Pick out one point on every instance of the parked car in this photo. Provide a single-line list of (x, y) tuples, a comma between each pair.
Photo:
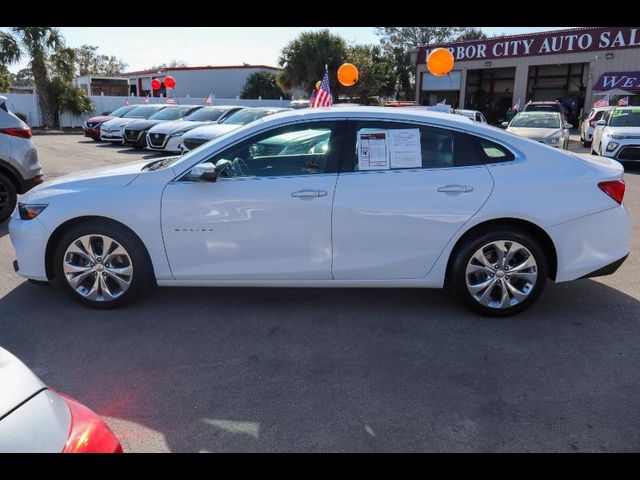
[(544, 106), (545, 127), (295, 104), (487, 214), (617, 134), (20, 169), (201, 135), (36, 419), (91, 128), (167, 137), (474, 115), (589, 124), (113, 130), (135, 133)]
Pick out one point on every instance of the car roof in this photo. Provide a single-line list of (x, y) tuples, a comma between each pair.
[(537, 113), (543, 102)]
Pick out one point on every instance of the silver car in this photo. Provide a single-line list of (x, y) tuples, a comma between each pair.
[(544, 127), (20, 170)]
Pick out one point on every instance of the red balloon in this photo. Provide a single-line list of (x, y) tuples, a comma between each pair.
[(155, 84), (169, 82)]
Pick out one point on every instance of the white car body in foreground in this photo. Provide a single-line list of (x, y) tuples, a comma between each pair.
[(177, 224), (617, 134), (35, 419)]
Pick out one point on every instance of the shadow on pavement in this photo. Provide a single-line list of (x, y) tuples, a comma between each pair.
[(341, 369)]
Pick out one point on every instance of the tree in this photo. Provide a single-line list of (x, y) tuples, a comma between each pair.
[(90, 62), (68, 97), (377, 75), (24, 78), (5, 78), (400, 41), (304, 59), (45, 49), (169, 64), (262, 84)]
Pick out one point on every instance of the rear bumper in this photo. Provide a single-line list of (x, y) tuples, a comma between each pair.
[(28, 184), (588, 245), (607, 269)]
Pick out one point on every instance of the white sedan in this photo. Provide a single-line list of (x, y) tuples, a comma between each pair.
[(333, 197)]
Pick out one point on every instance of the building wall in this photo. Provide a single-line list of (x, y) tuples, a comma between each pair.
[(623, 60)]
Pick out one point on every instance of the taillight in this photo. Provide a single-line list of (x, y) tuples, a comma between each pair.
[(88, 433), (592, 123), (614, 188), (22, 132)]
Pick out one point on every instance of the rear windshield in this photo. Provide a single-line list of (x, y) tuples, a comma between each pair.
[(625, 118), (207, 114), (141, 112), (536, 121), (171, 113)]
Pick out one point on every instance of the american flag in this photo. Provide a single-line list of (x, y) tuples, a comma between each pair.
[(126, 101), (322, 97), (623, 102), (146, 99), (208, 100), (603, 102), (516, 106), (170, 100), (443, 102)]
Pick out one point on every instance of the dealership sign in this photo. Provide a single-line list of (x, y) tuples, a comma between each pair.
[(624, 80), (546, 43)]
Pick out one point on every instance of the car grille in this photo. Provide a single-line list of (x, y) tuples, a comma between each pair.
[(629, 153), (132, 135), (156, 139), (192, 143)]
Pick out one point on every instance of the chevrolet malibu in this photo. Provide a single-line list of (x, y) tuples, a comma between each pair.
[(333, 197)]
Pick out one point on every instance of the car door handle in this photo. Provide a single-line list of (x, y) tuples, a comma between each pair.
[(456, 189), (309, 193)]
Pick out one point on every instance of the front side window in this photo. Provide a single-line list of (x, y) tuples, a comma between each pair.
[(302, 149)]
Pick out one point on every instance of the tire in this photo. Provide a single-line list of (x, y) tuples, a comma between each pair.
[(8, 197), (127, 273), (490, 301)]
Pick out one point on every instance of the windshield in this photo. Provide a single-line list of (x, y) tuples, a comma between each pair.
[(625, 118), (141, 112), (536, 121), (118, 112), (246, 116), (207, 114), (171, 113)]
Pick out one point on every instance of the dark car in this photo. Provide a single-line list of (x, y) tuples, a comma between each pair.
[(135, 134), (91, 127)]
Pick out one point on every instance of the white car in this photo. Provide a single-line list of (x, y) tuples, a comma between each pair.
[(588, 125), (333, 197), (167, 137), (113, 130), (617, 134), (545, 127), (36, 419), (474, 115), (201, 135)]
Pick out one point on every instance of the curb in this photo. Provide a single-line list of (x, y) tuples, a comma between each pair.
[(55, 132)]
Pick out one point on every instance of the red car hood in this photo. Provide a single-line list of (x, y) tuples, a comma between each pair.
[(100, 118)]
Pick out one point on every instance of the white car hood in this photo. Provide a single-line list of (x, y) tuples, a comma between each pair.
[(175, 126), (534, 133), (116, 123), (635, 131), (210, 132), (17, 382)]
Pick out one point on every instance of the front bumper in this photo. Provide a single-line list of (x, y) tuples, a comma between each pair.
[(92, 132), (172, 144), (111, 136), (29, 239), (136, 138), (627, 150)]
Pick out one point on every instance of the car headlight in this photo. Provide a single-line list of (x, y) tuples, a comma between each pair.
[(555, 138), (29, 212), (611, 146), (178, 134), (617, 137)]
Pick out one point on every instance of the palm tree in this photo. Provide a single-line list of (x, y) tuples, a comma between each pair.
[(41, 45)]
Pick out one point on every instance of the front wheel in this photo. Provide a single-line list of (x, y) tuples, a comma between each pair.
[(102, 265), (499, 271)]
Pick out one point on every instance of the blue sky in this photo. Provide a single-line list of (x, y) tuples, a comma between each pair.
[(141, 47)]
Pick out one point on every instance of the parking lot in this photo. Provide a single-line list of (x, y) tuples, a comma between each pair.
[(233, 369)]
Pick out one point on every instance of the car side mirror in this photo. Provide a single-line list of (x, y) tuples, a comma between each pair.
[(204, 172), (601, 122), (504, 124)]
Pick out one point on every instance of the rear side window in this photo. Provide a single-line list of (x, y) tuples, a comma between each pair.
[(494, 153), (598, 114), (438, 147)]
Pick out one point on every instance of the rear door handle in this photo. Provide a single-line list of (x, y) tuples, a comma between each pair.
[(309, 193), (456, 189)]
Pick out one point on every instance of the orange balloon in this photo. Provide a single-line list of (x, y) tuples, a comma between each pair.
[(318, 84), (440, 62), (348, 75)]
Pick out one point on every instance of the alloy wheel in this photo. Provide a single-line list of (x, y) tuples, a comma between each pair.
[(98, 268), (501, 274)]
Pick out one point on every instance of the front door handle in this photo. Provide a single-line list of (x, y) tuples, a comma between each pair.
[(456, 189), (309, 193)]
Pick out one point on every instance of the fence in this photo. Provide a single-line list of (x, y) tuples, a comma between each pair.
[(27, 104)]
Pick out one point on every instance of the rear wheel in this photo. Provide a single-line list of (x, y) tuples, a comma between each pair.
[(8, 197), (102, 265), (499, 271)]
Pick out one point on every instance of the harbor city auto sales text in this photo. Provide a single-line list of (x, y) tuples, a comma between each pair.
[(587, 41)]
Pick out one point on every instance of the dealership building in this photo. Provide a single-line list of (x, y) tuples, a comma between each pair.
[(220, 81), (576, 66)]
